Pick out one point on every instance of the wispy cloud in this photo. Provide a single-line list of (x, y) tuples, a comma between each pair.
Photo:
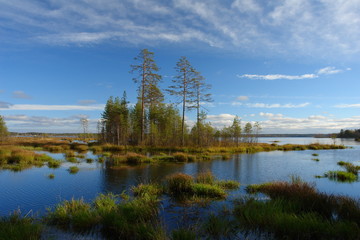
[(24, 123), (273, 105), (356, 105), (221, 120), (5, 105), (279, 123), (242, 98), (312, 124), (87, 102), (323, 71), (21, 95), (277, 27), (38, 107), (329, 70), (278, 76)]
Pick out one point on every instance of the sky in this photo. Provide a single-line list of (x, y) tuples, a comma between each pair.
[(292, 65)]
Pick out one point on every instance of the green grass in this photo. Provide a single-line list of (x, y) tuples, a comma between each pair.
[(148, 189), (73, 169), (17, 158), (72, 159), (129, 158), (204, 185), (16, 227), (341, 176), (54, 163), (351, 168), (208, 191), (121, 218), (206, 178), (297, 211), (179, 184), (285, 221), (219, 227), (183, 234), (228, 184)]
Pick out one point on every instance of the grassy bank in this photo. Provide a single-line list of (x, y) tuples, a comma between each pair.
[(16, 158)]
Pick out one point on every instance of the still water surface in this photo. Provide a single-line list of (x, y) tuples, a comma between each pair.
[(32, 190)]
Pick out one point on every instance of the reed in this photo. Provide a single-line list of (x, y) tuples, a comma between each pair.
[(297, 211), (15, 227)]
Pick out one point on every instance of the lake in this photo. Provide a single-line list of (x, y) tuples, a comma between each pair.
[(32, 191)]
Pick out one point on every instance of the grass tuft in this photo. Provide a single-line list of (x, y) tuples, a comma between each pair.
[(73, 169)]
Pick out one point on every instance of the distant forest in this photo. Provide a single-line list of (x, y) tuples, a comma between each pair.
[(349, 134)]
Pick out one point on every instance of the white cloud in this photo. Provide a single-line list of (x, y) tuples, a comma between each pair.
[(24, 123), (356, 105), (317, 117), (25, 107), (279, 123), (306, 27), (278, 76), (329, 70), (221, 119), (273, 105), (21, 95), (323, 71), (242, 98), (270, 115), (87, 102)]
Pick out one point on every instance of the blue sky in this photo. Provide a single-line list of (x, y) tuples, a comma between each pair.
[(292, 65)]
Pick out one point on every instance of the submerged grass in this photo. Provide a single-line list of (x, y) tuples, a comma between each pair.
[(341, 176)]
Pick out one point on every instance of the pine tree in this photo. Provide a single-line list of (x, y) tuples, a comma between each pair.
[(201, 96), (3, 129), (184, 83), (148, 80), (236, 130)]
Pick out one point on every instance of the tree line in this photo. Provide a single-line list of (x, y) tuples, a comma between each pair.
[(153, 122), (355, 133)]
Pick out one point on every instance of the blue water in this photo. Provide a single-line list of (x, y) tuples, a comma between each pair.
[(32, 190)]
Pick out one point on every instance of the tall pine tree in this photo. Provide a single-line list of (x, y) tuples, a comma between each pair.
[(148, 79)]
